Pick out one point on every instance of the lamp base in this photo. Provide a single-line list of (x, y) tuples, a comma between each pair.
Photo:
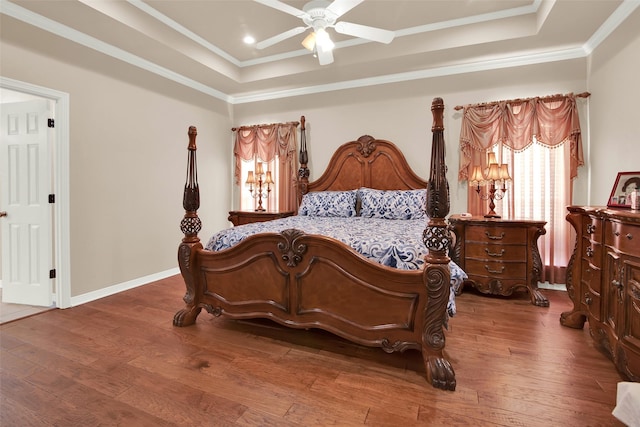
[(260, 210), (490, 215)]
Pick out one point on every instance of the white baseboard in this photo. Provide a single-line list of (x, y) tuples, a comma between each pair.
[(111, 290), (552, 286)]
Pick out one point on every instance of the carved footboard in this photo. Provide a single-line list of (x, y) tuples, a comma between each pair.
[(311, 281)]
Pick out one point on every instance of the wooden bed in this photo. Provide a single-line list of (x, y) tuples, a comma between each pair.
[(310, 281)]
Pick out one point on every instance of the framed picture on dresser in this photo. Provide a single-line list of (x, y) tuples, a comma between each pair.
[(626, 183)]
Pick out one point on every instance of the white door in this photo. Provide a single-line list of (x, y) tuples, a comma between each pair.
[(25, 175)]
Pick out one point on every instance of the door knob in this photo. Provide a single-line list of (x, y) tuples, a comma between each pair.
[(3, 213)]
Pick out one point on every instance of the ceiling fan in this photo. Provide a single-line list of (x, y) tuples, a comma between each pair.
[(320, 15)]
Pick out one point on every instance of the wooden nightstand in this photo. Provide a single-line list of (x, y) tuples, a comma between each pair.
[(499, 255), (246, 217)]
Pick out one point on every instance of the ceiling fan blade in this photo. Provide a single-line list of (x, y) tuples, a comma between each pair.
[(325, 56), (365, 32), (283, 7), (340, 7), (280, 37)]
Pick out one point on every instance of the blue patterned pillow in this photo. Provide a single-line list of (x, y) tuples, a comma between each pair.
[(393, 204), (340, 204)]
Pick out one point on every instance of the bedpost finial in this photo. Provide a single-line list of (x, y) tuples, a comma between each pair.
[(437, 108), (192, 137), (302, 121)]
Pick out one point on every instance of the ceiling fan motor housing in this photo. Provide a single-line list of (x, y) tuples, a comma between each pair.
[(317, 16)]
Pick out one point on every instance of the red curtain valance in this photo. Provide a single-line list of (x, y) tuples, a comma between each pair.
[(551, 120)]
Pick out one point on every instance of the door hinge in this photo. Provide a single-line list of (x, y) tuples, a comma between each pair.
[(52, 198), (52, 274), (51, 123)]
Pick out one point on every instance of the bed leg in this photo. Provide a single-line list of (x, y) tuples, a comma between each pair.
[(186, 256), (439, 370)]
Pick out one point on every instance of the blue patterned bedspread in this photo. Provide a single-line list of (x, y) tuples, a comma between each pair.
[(394, 243)]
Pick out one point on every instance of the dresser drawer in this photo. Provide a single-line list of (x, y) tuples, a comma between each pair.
[(591, 227), (496, 234), (506, 270), (493, 252), (592, 251), (592, 300), (590, 276), (624, 237)]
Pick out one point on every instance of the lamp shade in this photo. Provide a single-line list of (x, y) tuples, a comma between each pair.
[(494, 172), (476, 176), (259, 170), (491, 158), (250, 178), (504, 172), (268, 179)]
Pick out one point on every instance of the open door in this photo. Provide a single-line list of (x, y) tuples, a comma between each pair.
[(25, 179)]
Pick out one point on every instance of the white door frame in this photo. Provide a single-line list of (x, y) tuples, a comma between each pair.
[(61, 226)]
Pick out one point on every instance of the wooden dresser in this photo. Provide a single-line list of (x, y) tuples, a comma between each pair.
[(603, 281), (498, 255), (246, 217)]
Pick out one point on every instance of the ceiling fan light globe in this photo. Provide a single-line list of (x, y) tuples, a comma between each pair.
[(323, 40), (309, 42)]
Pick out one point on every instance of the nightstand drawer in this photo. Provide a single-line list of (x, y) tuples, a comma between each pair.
[(496, 234), (506, 270), (487, 252)]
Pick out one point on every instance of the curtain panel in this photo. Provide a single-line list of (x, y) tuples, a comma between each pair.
[(267, 142)]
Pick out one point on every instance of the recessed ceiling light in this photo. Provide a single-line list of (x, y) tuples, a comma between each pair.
[(249, 40)]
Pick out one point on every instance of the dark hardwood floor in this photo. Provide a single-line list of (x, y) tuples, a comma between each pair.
[(119, 361)]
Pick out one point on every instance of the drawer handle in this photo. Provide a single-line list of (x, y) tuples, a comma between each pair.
[(500, 237), (589, 251), (591, 228), (494, 271), (494, 254), (629, 236)]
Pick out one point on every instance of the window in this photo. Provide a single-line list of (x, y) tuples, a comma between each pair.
[(274, 149), (540, 140), (540, 189)]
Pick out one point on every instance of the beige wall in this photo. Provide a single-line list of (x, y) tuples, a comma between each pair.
[(614, 115), (128, 139)]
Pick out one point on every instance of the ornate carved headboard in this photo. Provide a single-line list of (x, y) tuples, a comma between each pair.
[(367, 162)]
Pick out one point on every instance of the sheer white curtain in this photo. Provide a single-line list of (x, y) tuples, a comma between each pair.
[(541, 190)]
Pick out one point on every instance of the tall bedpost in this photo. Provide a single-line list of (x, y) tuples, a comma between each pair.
[(303, 171), (190, 226), (437, 277)]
